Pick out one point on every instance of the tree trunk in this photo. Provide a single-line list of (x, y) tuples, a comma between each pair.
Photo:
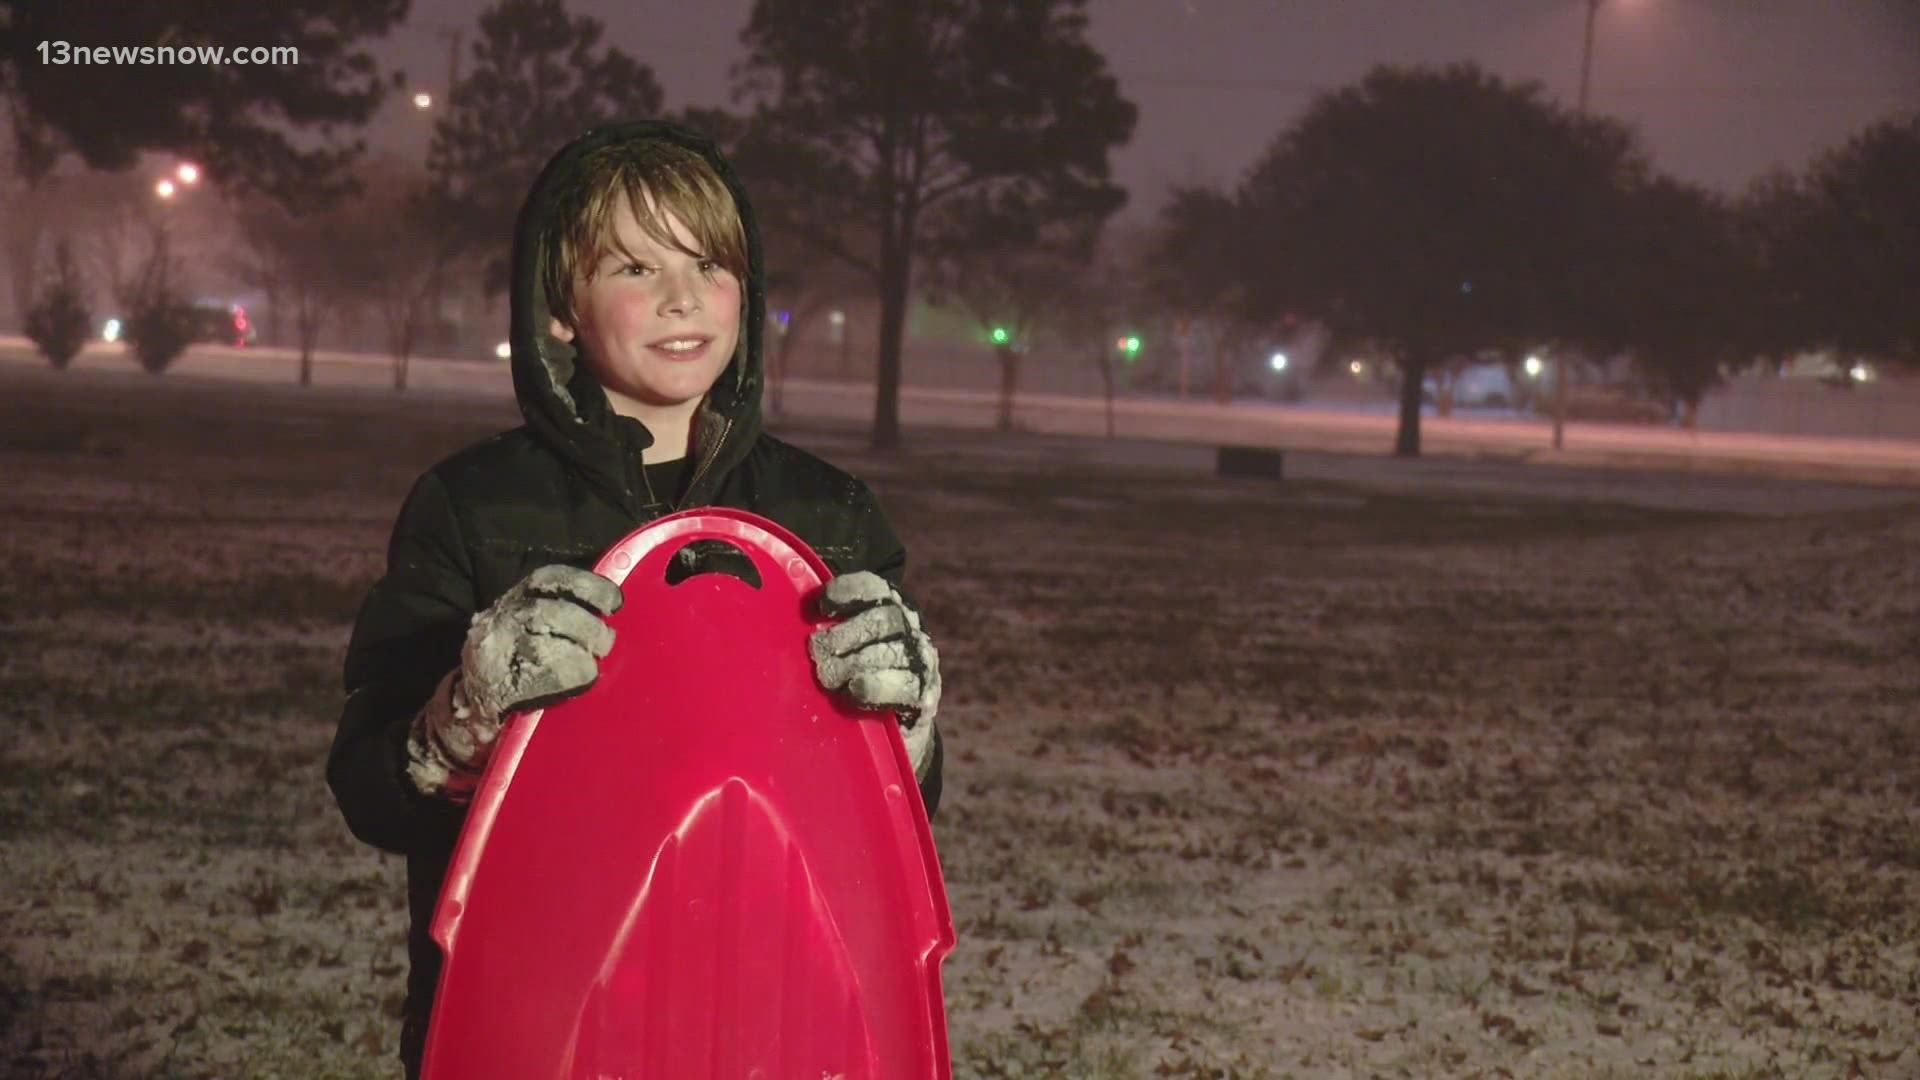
[(782, 357), (308, 327), (397, 346), (1103, 357), (1690, 414), (896, 271), (1009, 381), (1223, 351), (1413, 374), (898, 220), (1183, 342), (1445, 381), (893, 319)]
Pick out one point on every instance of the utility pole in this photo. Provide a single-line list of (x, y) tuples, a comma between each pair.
[(1560, 362), (437, 284), (452, 35)]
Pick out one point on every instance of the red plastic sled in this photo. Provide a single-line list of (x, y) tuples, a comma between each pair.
[(705, 866)]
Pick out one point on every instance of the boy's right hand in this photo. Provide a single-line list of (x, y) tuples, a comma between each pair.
[(539, 643)]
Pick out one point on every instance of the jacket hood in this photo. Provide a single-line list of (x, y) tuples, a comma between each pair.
[(564, 404)]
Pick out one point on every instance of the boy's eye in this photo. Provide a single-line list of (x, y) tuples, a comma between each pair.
[(636, 269)]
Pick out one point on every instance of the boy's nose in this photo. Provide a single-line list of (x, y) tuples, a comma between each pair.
[(681, 298)]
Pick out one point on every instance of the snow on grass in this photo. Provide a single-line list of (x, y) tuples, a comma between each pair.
[(1326, 778)]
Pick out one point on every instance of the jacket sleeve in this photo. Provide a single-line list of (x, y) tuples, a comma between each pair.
[(886, 555), (407, 637)]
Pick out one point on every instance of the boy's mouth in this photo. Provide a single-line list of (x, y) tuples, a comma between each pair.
[(682, 348)]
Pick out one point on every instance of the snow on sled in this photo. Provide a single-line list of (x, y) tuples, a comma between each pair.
[(704, 866)]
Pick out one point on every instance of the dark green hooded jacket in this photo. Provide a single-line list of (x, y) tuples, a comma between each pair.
[(562, 488)]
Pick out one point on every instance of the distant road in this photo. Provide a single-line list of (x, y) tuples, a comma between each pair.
[(1301, 427)]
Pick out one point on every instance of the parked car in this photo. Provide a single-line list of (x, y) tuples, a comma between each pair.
[(229, 325), (1615, 404)]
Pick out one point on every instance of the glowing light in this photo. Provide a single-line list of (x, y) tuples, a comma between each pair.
[(189, 174), (1860, 373), (1357, 368), (164, 189), (1000, 335), (1534, 367), (111, 331), (423, 100), (837, 317), (504, 350), (1278, 361)]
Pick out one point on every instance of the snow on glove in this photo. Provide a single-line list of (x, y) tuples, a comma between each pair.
[(540, 642), (880, 656)]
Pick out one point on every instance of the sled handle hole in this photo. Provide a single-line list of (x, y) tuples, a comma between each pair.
[(711, 557)]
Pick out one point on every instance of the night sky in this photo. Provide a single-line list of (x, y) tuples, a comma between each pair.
[(1720, 90)]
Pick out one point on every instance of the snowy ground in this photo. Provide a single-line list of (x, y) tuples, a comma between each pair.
[(1390, 770)]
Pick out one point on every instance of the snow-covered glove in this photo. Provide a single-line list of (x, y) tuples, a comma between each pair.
[(540, 642), (880, 657)]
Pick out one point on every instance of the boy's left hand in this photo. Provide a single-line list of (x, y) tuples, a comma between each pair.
[(880, 656)]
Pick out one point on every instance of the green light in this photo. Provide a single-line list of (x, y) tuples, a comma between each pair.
[(1133, 343), (1000, 335)]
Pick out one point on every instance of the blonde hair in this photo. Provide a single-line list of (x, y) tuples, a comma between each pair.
[(655, 177)]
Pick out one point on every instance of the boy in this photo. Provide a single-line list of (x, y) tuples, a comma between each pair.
[(637, 303)]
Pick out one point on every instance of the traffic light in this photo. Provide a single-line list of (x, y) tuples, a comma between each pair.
[(1000, 335), (1129, 347)]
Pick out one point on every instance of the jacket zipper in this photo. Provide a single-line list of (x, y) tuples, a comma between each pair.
[(700, 470)]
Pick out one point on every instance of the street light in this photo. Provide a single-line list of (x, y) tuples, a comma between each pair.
[(1278, 361), (1534, 367), (188, 173), (837, 319), (423, 100), (164, 189)]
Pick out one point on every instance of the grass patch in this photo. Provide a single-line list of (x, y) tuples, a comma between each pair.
[(1786, 901)]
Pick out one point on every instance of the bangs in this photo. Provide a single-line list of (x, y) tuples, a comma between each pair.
[(656, 178), (706, 210)]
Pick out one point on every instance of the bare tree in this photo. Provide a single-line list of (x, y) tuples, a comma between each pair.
[(803, 283), (1013, 291), (402, 235), (313, 262)]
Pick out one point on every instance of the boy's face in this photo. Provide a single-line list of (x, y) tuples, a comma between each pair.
[(657, 326)]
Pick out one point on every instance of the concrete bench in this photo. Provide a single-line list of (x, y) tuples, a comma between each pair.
[(1257, 462)]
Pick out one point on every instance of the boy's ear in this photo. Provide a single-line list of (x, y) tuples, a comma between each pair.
[(559, 329)]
